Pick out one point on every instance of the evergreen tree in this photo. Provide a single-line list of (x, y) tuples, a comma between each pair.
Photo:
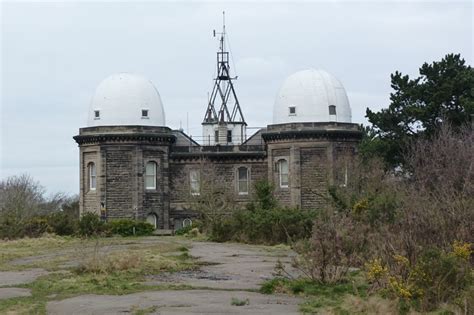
[(443, 93)]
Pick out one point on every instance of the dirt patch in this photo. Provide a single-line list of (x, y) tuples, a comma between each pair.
[(8, 293), (8, 278), (177, 302)]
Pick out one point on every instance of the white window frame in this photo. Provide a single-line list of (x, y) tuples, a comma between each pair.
[(96, 114), (147, 116), (92, 173), (289, 110), (239, 180), (195, 182), (151, 175), (280, 173), (187, 222)]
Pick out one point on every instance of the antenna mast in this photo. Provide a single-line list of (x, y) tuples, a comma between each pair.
[(223, 94)]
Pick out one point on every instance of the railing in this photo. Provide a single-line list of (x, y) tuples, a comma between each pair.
[(217, 148)]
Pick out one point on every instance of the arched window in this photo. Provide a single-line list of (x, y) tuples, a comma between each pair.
[(92, 176), (152, 219), (187, 222), (283, 173), (194, 182), (150, 175), (243, 180)]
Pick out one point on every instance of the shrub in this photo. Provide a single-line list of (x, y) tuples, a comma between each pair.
[(267, 226), (263, 221), (90, 225), (337, 243), (36, 226), (62, 223), (128, 227), (437, 277), (10, 226), (183, 230)]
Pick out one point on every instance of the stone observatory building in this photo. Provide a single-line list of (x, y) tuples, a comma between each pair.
[(133, 166)]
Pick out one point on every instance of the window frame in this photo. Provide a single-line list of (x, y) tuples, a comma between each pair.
[(147, 112), (195, 191), (246, 181), (290, 108), (229, 136), (92, 176), (153, 175), (280, 173), (96, 114)]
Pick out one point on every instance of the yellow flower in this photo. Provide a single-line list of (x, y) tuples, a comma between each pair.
[(462, 249), (401, 260), (360, 206), (375, 269), (399, 288)]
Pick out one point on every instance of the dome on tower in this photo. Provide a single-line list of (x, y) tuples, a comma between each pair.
[(311, 96), (126, 99)]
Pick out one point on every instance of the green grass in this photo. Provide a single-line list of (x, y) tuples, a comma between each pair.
[(318, 296)]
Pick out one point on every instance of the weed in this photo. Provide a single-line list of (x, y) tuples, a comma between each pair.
[(238, 302), (144, 311)]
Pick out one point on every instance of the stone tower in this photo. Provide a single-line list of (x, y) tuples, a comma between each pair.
[(124, 152)]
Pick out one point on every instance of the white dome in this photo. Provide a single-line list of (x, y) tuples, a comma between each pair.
[(311, 96), (126, 99)]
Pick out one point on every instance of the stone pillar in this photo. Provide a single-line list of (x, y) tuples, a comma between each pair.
[(295, 176)]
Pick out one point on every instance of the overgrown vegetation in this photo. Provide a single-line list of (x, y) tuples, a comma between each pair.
[(263, 221), (412, 232), (92, 265), (25, 212)]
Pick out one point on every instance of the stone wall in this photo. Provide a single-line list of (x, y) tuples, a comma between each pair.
[(214, 175), (121, 153), (120, 181), (314, 166)]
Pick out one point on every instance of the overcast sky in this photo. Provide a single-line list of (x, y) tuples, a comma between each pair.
[(53, 55)]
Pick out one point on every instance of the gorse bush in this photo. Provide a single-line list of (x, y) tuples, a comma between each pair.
[(437, 277), (411, 228)]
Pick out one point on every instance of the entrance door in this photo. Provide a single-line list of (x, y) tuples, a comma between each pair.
[(152, 219)]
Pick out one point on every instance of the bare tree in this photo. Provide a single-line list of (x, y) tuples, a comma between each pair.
[(207, 192)]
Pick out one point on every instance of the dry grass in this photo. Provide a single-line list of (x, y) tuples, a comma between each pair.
[(110, 263), (25, 247), (100, 266), (372, 305)]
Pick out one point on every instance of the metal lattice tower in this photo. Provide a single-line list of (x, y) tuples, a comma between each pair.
[(223, 94)]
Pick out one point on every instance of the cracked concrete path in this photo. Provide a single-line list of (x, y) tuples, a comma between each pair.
[(177, 302), (8, 278), (230, 266), (229, 269), (8, 293)]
